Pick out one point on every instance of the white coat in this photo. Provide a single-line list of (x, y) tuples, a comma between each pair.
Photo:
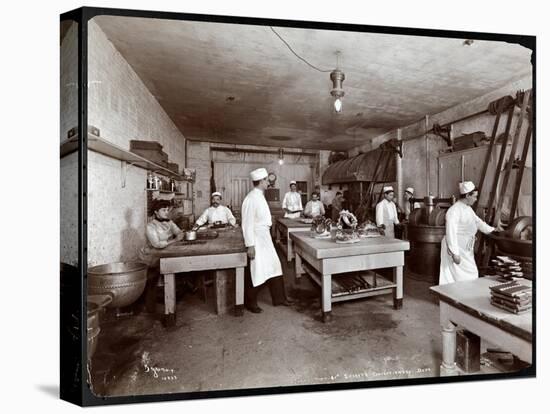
[(314, 209), (256, 222), (293, 202), (461, 227), (386, 214), (213, 214)]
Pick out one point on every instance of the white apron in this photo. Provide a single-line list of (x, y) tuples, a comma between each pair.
[(449, 271), (386, 214), (266, 263), (461, 227), (292, 201), (256, 223)]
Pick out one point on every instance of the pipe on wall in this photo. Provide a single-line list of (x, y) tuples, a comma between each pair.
[(399, 173), (256, 151), (426, 138)]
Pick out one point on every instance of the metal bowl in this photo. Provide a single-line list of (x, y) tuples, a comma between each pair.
[(514, 247), (124, 280)]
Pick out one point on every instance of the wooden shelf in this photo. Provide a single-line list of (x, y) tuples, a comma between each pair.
[(108, 149), (166, 191)]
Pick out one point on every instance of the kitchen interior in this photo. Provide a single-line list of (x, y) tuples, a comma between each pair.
[(180, 110)]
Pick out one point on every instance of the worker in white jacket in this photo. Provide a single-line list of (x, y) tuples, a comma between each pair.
[(264, 262), (292, 202), (216, 214), (407, 208), (457, 247), (386, 212)]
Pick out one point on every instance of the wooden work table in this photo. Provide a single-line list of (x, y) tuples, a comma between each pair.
[(468, 304), (227, 251), (283, 228), (324, 258)]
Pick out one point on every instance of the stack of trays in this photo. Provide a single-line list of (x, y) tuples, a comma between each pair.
[(511, 296), (507, 268)]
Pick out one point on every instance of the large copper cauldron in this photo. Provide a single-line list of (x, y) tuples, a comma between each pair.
[(125, 281)]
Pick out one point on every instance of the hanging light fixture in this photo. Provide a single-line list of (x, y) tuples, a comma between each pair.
[(337, 77), (281, 157)]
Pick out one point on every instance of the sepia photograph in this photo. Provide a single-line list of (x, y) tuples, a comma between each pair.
[(253, 205)]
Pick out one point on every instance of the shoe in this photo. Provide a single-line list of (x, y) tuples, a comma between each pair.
[(286, 302), (256, 309)]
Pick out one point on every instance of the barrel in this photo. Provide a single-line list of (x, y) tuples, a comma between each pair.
[(424, 258)]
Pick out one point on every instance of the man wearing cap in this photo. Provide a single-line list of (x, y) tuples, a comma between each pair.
[(409, 193), (292, 202), (386, 212), (457, 247), (264, 262), (216, 213)]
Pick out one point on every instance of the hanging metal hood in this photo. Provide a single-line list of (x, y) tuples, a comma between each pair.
[(362, 168)]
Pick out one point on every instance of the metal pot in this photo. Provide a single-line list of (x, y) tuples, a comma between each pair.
[(124, 280), (190, 235), (93, 328)]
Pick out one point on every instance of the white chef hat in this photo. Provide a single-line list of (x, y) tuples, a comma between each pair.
[(410, 190), (466, 187), (216, 193), (292, 182), (387, 188), (258, 174)]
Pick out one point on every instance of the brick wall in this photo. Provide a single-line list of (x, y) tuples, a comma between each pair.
[(198, 157), (122, 108), (69, 164)]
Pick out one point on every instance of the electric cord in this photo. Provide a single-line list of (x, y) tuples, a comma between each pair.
[(297, 55)]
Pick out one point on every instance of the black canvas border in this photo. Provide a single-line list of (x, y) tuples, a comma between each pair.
[(82, 16)]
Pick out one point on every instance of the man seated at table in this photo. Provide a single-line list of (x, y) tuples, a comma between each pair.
[(314, 207), (160, 233), (216, 214)]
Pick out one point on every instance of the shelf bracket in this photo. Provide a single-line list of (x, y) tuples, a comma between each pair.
[(124, 165)]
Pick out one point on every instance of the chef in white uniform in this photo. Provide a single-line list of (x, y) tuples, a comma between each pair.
[(386, 212), (457, 247), (264, 262), (409, 193), (314, 207), (216, 213), (292, 202)]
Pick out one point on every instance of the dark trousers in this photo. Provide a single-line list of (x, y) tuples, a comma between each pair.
[(276, 288), (153, 276)]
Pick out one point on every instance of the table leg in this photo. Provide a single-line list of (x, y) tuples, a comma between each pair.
[(169, 299), (326, 288), (448, 333), (277, 233), (398, 290), (289, 248), (298, 269), (239, 291)]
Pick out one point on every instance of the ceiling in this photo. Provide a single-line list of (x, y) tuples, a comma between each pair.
[(240, 84)]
